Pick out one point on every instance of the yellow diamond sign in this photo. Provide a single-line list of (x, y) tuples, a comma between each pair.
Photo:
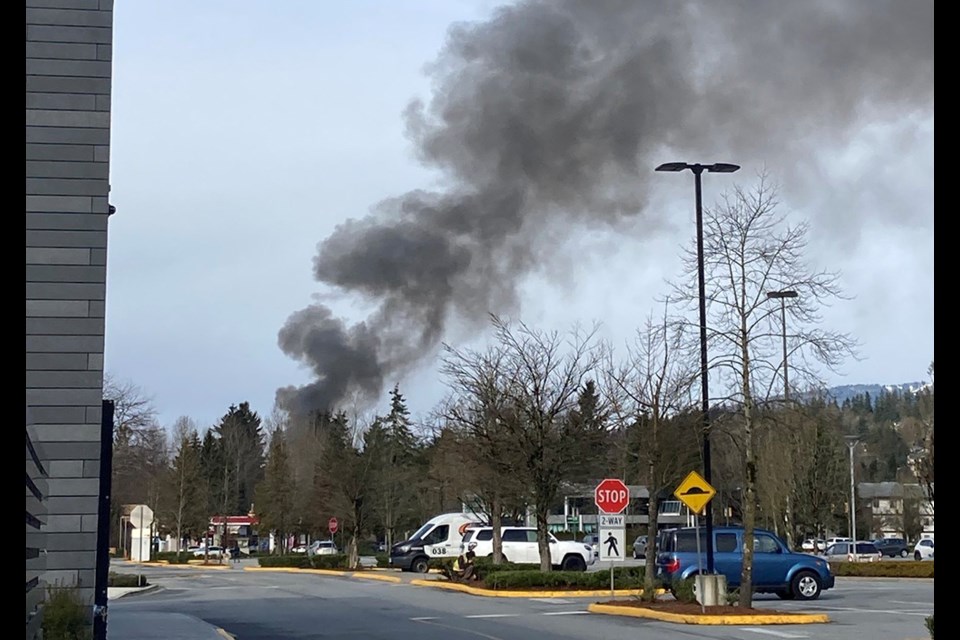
[(695, 492)]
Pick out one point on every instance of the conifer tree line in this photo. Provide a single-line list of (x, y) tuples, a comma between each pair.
[(537, 411)]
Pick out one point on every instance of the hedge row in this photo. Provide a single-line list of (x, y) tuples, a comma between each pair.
[(173, 557), (126, 580), (624, 578), (889, 569), (303, 561)]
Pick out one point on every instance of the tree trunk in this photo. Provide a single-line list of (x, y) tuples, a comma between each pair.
[(543, 539), (650, 573), (496, 522)]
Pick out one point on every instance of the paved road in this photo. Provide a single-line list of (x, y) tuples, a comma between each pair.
[(283, 606)]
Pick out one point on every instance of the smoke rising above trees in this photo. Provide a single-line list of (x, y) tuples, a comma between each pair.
[(549, 117)]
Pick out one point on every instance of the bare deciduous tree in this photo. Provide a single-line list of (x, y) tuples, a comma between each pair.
[(647, 391), (750, 250)]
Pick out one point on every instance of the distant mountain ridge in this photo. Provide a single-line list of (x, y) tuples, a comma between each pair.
[(845, 392)]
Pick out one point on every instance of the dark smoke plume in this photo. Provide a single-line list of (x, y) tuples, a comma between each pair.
[(550, 116)]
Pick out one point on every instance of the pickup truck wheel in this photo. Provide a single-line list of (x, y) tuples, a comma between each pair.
[(574, 563), (420, 565), (805, 586), (903, 553)]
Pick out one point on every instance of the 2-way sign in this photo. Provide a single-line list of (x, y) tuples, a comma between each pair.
[(611, 496)]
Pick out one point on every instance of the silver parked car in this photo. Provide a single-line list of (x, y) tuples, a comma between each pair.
[(844, 552), (640, 547)]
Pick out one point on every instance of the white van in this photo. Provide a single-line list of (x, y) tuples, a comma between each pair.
[(439, 537)]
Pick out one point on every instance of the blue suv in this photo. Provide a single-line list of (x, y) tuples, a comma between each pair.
[(776, 569)]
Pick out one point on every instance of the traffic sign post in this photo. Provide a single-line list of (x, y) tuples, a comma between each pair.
[(696, 493), (333, 525), (611, 497)]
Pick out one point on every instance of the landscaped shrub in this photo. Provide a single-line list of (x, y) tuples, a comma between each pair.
[(338, 561), (383, 560), (888, 569), (929, 622), (683, 590), (65, 615), (298, 561), (519, 579), (126, 580), (173, 557)]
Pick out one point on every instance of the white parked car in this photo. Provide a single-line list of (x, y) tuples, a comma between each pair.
[(210, 552), (923, 550), (813, 546), (520, 546)]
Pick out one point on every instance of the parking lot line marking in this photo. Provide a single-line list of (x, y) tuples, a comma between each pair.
[(551, 600), (424, 618), (493, 615), (897, 612), (921, 604), (563, 613), (771, 632)]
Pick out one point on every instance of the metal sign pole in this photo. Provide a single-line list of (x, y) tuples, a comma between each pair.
[(696, 524)]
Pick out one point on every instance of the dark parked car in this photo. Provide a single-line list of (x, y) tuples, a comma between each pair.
[(892, 547), (776, 569)]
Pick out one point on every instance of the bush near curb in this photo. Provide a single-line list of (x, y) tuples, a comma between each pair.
[(518, 579), (888, 569), (173, 557), (383, 560), (929, 623), (303, 561), (65, 615), (126, 580), (683, 590)]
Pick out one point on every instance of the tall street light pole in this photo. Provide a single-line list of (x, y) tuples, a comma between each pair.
[(782, 297), (852, 442), (697, 170)]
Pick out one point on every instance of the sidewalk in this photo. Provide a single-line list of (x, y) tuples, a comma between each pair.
[(141, 625)]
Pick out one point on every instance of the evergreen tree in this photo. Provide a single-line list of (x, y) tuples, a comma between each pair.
[(241, 440), (277, 491)]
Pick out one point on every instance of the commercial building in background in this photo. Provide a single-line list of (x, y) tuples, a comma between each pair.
[(68, 67)]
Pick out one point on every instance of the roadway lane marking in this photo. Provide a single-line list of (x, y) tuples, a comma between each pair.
[(921, 604), (771, 632), (493, 615), (424, 618), (551, 600), (563, 613)]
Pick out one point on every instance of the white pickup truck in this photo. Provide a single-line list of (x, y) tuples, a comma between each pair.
[(520, 546)]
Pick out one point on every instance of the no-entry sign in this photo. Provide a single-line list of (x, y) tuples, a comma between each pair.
[(332, 524), (611, 496)]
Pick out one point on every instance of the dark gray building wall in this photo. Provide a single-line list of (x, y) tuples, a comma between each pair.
[(68, 149)]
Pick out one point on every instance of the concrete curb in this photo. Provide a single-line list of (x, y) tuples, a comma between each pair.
[(134, 591), (490, 593), (167, 565), (328, 572), (640, 612)]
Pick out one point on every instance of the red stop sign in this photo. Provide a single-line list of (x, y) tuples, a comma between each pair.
[(332, 523), (611, 496)]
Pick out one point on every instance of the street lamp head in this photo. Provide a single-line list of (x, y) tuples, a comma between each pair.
[(722, 167), (852, 441), (782, 294), (673, 166)]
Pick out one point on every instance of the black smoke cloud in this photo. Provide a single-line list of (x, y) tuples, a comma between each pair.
[(551, 115)]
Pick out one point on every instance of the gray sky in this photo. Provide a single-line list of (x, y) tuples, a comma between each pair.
[(246, 135)]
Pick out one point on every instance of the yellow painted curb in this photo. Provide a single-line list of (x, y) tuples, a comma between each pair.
[(377, 576), (491, 593), (322, 572), (639, 612)]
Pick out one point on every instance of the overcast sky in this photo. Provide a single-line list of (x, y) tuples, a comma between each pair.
[(247, 133)]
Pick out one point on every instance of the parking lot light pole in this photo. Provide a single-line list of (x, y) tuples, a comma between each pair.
[(697, 170), (852, 442), (782, 297)]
